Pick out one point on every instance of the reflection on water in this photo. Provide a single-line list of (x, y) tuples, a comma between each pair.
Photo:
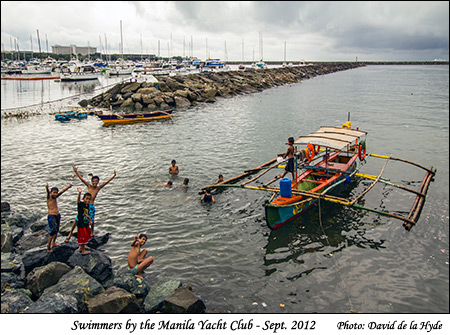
[(30, 93), (225, 251)]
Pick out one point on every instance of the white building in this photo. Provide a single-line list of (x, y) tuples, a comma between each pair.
[(73, 50)]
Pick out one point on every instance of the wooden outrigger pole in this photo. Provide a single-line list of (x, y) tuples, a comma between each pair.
[(430, 170), (408, 222), (328, 198), (245, 174), (420, 200)]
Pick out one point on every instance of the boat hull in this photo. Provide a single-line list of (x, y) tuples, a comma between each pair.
[(110, 119), (282, 210), (278, 216), (78, 78)]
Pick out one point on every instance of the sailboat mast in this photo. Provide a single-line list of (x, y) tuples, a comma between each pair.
[(39, 43), (121, 39), (31, 42)]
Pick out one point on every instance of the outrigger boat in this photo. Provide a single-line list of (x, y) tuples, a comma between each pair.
[(109, 119), (332, 157)]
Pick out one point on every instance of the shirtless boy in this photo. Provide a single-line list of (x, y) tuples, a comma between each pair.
[(220, 180), (173, 169), (137, 262), (93, 190), (290, 163), (54, 217)]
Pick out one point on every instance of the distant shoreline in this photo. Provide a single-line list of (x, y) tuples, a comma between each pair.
[(358, 62)]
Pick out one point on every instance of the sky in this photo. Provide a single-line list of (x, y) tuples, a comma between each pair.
[(236, 30)]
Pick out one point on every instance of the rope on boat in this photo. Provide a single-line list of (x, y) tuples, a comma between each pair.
[(338, 270)]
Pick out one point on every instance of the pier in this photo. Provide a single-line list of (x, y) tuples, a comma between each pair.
[(182, 91)]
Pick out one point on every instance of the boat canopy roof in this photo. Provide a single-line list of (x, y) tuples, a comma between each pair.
[(332, 137)]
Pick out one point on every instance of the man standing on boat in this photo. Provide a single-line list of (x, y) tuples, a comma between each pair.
[(290, 162)]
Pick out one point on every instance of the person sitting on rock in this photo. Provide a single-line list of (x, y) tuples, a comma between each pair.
[(137, 262)]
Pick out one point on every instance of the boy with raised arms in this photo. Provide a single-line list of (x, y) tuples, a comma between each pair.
[(93, 189), (54, 217)]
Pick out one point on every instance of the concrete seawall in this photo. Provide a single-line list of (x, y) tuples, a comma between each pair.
[(182, 91)]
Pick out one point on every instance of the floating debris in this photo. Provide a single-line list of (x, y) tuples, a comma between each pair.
[(19, 114)]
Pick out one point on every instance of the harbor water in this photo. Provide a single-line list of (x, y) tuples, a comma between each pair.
[(330, 260)]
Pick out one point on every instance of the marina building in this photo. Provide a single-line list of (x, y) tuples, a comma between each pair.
[(73, 50)]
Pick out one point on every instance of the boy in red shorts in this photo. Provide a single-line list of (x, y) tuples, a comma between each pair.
[(83, 222)]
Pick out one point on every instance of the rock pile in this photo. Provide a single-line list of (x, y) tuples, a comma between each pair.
[(64, 281), (182, 91)]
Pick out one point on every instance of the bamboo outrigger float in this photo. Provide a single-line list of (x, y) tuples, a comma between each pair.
[(332, 157)]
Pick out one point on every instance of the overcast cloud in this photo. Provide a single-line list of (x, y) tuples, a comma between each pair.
[(312, 30)]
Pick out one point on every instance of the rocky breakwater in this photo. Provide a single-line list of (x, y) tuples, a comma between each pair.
[(64, 281), (182, 91)]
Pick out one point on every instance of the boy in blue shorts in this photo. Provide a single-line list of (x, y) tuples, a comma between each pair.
[(54, 217), (137, 262)]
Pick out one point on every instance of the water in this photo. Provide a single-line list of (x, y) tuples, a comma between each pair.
[(225, 251)]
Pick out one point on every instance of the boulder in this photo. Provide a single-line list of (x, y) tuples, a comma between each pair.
[(127, 103), (15, 300), (183, 301), (158, 100), (138, 106), (158, 293), (126, 280), (174, 85), (181, 102), (147, 99), (13, 263), (98, 241), (45, 276), (20, 217), (163, 87), (148, 91), (114, 300), (137, 97), (39, 256), (168, 99), (95, 264), (130, 87), (5, 207), (127, 95), (76, 283), (11, 280), (31, 241), (83, 103), (42, 224), (16, 232), (55, 303), (181, 93), (7, 241)]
